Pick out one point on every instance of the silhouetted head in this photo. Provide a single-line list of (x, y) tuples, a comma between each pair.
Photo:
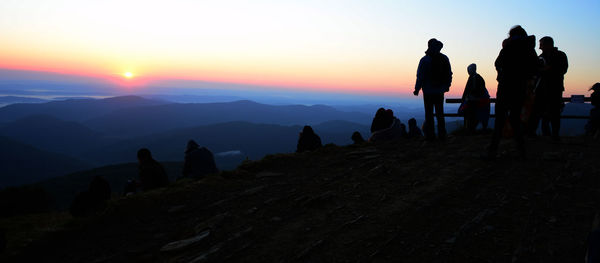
[(357, 137), (472, 69), (389, 113), (546, 44), (307, 130), (517, 31), (191, 145), (596, 87), (144, 155), (380, 112), (434, 46), (412, 122)]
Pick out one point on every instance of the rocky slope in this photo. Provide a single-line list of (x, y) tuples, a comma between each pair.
[(406, 201)]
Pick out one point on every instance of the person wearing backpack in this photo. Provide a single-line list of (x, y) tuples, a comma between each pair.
[(434, 76)]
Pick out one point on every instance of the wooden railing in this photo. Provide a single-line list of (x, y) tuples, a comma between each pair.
[(574, 98)]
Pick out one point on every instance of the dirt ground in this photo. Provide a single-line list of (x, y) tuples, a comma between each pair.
[(401, 201)]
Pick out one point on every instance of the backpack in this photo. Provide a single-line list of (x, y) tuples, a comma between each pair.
[(440, 70)]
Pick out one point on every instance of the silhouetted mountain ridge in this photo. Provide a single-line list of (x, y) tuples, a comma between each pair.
[(52, 134), (18, 160), (6, 100), (73, 109), (154, 119)]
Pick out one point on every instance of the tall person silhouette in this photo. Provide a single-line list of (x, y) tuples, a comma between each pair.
[(548, 94), (434, 76), (516, 65)]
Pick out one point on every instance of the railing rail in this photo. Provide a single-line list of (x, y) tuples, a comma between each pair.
[(575, 98)]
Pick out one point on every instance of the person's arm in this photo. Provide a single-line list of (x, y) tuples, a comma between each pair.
[(420, 77), (449, 73), (499, 64)]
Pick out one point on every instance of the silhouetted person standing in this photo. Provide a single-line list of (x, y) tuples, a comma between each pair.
[(476, 100), (548, 94), (308, 140), (434, 76), (593, 125), (516, 65), (152, 174), (595, 97), (198, 161)]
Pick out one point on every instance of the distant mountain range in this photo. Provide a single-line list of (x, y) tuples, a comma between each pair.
[(138, 121), (7, 100), (97, 132), (21, 163), (52, 134), (252, 140), (108, 131), (73, 109)]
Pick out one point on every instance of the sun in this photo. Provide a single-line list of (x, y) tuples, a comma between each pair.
[(128, 75)]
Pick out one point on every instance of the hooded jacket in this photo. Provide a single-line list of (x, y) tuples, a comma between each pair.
[(425, 78)]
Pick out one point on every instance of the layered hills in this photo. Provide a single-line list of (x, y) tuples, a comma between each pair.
[(22, 164), (109, 131)]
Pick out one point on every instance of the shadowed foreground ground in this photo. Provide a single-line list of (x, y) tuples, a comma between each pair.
[(395, 202)]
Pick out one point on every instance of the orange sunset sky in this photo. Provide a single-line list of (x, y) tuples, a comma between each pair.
[(359, 47)]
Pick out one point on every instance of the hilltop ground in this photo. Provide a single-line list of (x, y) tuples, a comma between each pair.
[(406, 201)]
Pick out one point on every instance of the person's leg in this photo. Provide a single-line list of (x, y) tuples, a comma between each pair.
[(546, 125), (485, 117), (501, 112), (536, 116), (471, 117), (439, 113), (517, 125), (554, 115), (429, 123)]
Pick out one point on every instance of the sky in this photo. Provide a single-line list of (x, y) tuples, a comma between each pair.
[(354, 47)]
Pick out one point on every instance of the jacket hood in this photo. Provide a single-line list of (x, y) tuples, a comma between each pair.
[(191, 145), (434, 46), (527, 41)]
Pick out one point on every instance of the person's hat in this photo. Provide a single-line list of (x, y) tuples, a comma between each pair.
[(596, 87)]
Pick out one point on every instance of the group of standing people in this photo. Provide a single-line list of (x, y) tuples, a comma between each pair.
[(522, 75)]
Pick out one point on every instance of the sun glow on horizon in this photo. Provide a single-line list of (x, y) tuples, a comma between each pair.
[(354, 47)]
